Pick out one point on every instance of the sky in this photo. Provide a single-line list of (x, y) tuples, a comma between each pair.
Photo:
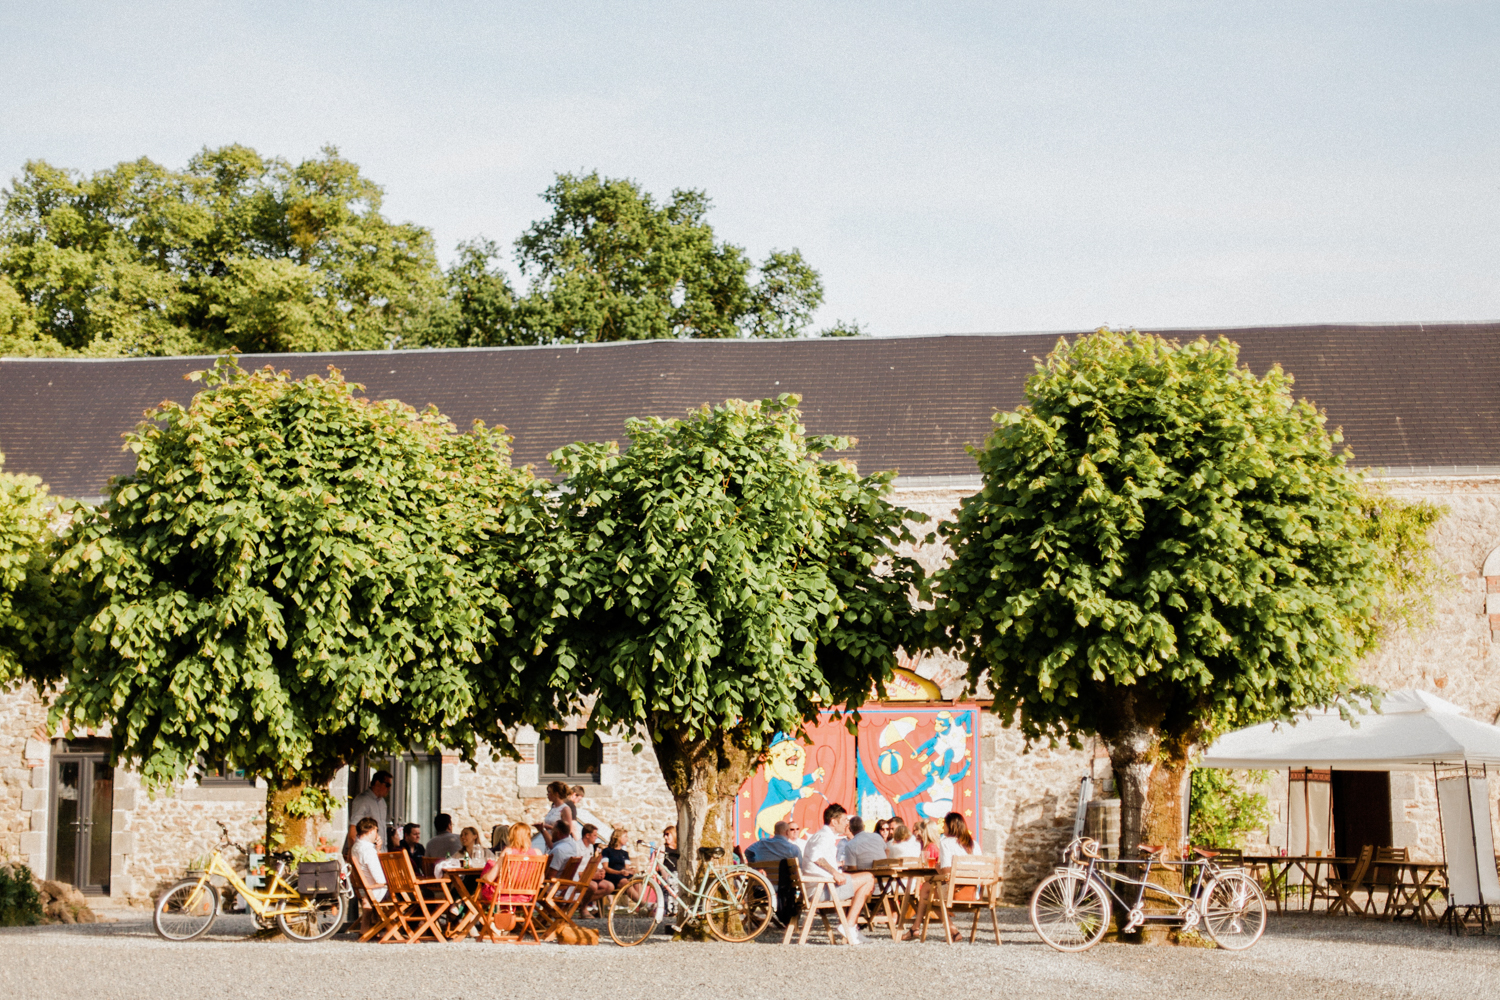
[(948, 168)]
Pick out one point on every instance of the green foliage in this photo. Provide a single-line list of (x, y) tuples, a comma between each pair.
[(26, 603), (612, 264), (481, 304), (844, 329), (312, 802), (294, 575), (237, 251), (720, 577), (1164, 543), (1222, 811), (20, 905)]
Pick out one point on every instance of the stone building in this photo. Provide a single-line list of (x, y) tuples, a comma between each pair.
[(1418, 405)]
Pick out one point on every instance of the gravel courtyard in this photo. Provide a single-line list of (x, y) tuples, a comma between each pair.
[(1299, 957)]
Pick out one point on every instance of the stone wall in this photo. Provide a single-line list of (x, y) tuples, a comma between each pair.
[(23, 778)]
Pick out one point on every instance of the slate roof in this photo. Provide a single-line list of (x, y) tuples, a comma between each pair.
[(1408, 397)]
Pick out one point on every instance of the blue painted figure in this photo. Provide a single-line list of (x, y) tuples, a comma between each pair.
[(786, 785), (948, 748)]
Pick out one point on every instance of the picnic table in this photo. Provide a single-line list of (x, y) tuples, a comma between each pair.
[(1416, 885), (1312, 869)]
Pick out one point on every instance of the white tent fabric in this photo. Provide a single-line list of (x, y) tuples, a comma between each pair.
[(1413, 731)]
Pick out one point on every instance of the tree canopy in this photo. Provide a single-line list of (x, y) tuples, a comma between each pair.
[(1165, 544), (25, 592), (241, 252), (719, 582), (294, 575)]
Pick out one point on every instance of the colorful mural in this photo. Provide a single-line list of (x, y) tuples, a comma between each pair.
[(913, 761)]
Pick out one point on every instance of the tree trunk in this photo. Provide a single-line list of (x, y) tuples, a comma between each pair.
[(704, 777), (295, 826), (1149, 768)]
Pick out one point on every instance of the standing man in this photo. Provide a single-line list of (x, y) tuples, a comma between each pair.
[(371, 804), (820, 870)]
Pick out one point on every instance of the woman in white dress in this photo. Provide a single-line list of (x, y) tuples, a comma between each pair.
[(557, 794)]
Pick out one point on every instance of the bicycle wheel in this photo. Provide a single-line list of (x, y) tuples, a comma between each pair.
[(1234, 911), (319, 919), (737, 906), (1070, 912), (185, 911), (631, 920)]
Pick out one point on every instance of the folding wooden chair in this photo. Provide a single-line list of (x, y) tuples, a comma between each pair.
[(517, 889), (815, 902), (419, 910), (972, 883), (1345, 888), (561, 897), (1385, 878), (387, 913)]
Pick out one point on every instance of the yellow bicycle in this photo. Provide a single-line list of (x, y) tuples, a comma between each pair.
[(187, 910)]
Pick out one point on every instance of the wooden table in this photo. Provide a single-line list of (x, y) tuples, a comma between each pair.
[(1279, 869), (908, 879), (1417, 884), (473, 909)]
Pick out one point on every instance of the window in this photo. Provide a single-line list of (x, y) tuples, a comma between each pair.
[(565, 758), (221, 773)]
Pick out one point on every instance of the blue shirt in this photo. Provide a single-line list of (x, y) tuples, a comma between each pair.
[(773, 849)]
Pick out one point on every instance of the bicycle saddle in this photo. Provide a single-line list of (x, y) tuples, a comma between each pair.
[(709, 853), (1152, 848), (1204, 852)]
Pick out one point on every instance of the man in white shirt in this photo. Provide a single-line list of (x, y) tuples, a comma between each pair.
[(366, 858), (863, 848), (444, 843), (565, 847), (369, 804), (820, 871)]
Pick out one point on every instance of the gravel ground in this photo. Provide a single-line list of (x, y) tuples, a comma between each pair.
[(1298, 957)]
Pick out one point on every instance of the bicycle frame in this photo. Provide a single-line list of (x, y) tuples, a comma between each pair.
[(657, 872), (1187, 915)]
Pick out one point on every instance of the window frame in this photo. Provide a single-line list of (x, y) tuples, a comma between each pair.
[(221, 776), (571, 772)]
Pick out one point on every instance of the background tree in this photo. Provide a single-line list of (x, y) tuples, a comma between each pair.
[(235, 251), (480, 307), (25, 594), (293, 576), (719, 583), (609, 263), (1165, 545)]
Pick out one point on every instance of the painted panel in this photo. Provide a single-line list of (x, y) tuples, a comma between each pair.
[(919, 763), (799, 777)]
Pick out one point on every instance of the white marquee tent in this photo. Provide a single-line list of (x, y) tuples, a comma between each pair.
[(1413, 731)]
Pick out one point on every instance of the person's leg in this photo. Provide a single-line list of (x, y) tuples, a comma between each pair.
[(924, 893), (863, 883)]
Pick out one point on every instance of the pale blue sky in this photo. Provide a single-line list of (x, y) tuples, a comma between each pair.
[(948, 167)]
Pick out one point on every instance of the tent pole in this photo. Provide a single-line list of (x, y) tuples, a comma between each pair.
[(1473, 833), (1442, 836)]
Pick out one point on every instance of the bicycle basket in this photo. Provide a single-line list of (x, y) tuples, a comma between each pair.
[(318, 878)]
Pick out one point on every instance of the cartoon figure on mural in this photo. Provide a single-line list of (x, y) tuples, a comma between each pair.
[(786, 785), (948, 748)]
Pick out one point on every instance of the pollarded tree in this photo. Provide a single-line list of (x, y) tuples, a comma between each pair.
[(1165, 544), (724, 583), (294, 575)]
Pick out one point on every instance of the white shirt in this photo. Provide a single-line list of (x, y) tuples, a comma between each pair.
[(821, 846), (908, 848), (367, 803), (554, 814), (948, 848), (563, 851), (367, 860)]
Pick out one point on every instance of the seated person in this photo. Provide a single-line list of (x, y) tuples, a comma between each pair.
[(469, 847), (565, 847), (670, 854), (444, 843), (863, 848), (820, 871), (616, 860), (411, 843), (365, 856), (776, 846), (955, 842), (903, 844)]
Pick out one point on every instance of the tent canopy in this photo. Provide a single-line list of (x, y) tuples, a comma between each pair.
[(1413, 731)]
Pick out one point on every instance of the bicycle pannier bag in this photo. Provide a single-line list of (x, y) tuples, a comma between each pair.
[(318, 878)]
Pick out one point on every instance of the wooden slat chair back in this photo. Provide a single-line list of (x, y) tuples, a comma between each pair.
[(516, 890), (1343, 889), (420, 910), (387, 914), (816, 902), (561, 897), (971, 884)]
